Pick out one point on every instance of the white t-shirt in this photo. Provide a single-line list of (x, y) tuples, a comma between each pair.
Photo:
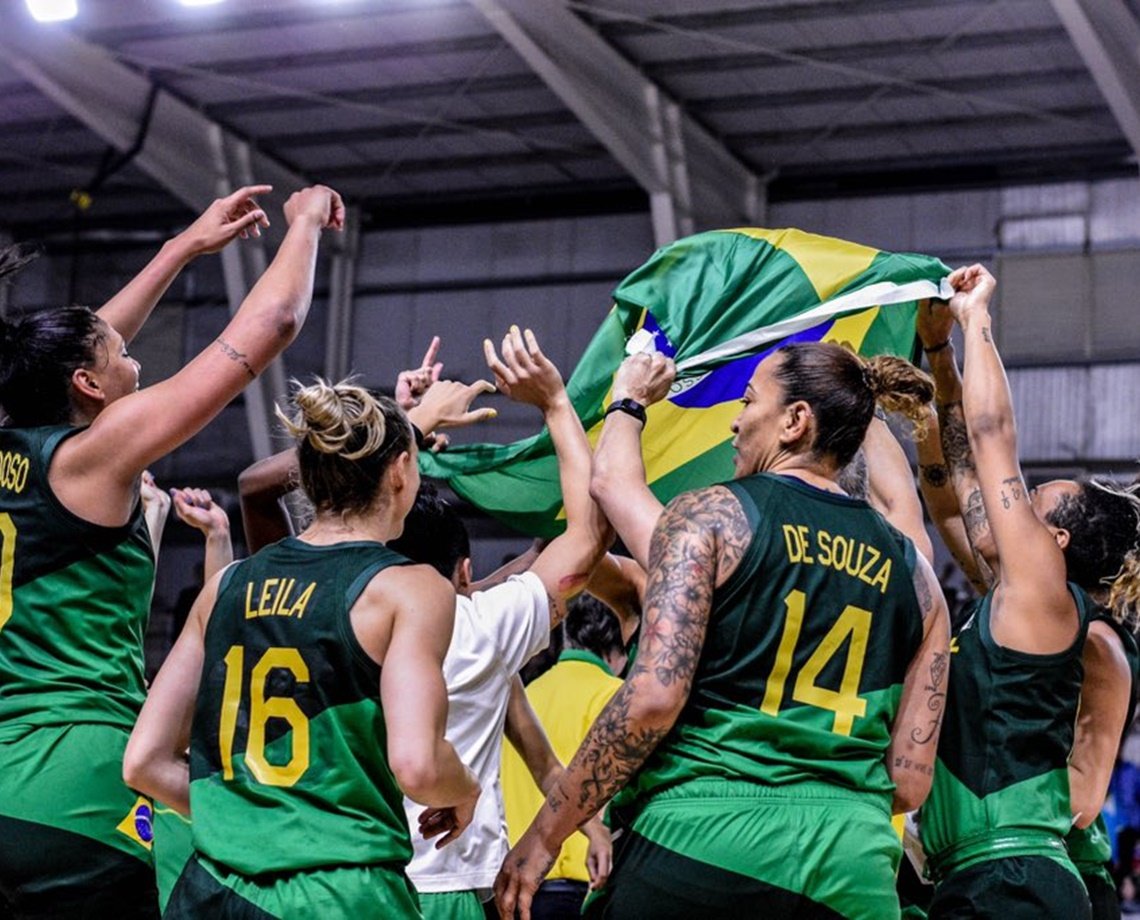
[(496, 632)]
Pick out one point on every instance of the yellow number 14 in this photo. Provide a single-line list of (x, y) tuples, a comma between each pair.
[(853, 622)]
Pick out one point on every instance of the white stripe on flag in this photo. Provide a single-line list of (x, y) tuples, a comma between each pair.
[(882, 294)]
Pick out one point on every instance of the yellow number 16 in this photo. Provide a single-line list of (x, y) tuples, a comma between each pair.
[(844, 702), (262, 708)]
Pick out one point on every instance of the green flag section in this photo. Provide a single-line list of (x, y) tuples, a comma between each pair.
[(716, 302)]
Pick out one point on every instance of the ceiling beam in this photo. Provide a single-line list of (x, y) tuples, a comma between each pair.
[(693, 180), (193, 158), (1107, 35)]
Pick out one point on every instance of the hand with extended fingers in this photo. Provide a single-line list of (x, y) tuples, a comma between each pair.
[(412, 384), (236, 215), (523, 372)]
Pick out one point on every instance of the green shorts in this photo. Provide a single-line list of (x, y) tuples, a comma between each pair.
[(76, 840), (1102, 892), (349, 892), (1012, 888), (720, 849), (173, 847), (451, 905)]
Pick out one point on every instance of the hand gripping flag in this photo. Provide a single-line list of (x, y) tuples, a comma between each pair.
[(718, 303)]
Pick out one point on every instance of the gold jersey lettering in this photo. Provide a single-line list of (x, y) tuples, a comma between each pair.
[(276, 597), (13, 471)]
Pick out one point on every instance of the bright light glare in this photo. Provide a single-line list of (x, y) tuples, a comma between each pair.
[(53, 10), (199, 2)]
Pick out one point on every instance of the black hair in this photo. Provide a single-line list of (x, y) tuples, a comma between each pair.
[(591, 625), (39, 352), (433, 533), (842, 390), (1104, 530)]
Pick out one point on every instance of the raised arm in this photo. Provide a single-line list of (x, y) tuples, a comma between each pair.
[(942, 503), (156, 509), (935, 322), (1100, 722), (618, 482), (697, 544), (224, 220), (97, 483), (197, 508), (525, 374), (619, 583), (155, 760), (918, 723), (890, 486), (1033, 610), (262, 486)]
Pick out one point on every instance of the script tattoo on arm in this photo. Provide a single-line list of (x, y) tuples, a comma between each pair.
[(697, 544), (1016, 491), (936, 701), (234, 355)]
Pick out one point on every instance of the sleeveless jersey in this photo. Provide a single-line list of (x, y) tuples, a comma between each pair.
[(288, 754), (806, 651), (1091, 847), (1001, 783), (74, 599)]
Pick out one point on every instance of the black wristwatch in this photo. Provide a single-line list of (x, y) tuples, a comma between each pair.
[(629, 407)]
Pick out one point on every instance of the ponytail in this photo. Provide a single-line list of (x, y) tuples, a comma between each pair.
[(899, 386)]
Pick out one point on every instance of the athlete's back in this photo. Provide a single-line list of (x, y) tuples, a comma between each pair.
[(808, 644), (288, 725)]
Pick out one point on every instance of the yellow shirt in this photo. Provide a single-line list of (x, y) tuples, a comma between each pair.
[(567, 699)]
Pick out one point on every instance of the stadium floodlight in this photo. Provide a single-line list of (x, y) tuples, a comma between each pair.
[(53, 10)]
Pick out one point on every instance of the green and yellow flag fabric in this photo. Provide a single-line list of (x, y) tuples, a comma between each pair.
[(716, 302)]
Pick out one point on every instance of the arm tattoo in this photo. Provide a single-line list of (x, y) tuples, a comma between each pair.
[(1016, 491), (974, 516), (935, 474), (612, 753), (234, 355), (986, 335), (955, 440), (698, 542), (936, 700)]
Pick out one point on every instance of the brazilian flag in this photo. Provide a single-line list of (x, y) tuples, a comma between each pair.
[(717, 303)]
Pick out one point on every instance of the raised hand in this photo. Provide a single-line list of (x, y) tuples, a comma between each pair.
[(448, 405), (238, 214), (644, 378), (524, 373), (933, 323), (197, 508), (973, 287), (154, 500), (319, 203), (412, 384)]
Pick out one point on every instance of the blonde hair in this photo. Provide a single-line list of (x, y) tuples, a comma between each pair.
[(899, 386), (346, 438)]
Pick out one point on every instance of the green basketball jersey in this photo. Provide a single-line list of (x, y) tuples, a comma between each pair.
[(1091, 847), (74, 599), (1001, 782), (807, 647), (288, 754)]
